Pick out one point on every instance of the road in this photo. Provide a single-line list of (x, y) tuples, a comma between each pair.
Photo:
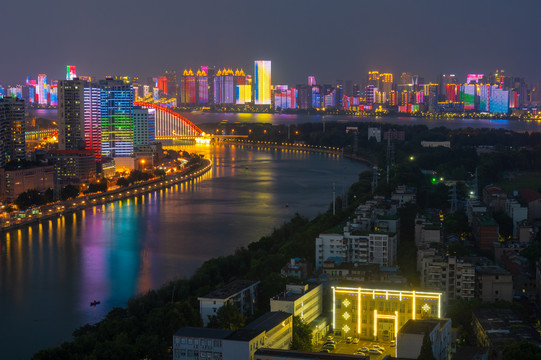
[(344, 348)]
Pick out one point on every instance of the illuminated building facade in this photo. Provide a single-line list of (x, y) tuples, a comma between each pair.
[(224, 90), (172, 85), (262, 82), (378, 314), (243, 94), (386, 84), (202, 86), (370, 95), (311, 80), (484, 97), (42, 89), (474, 78), (161, 84), (71, 72), (12, 130), (144, 128), (53, 95), (116, 118), (452, 92), (499, 100), (467, 96), (187, 87), (373, 78), (285, 99), (316, 97)]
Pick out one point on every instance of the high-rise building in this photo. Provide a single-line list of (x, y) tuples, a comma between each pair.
[(172, 85), (499, 100), (187, 87), (311, 80), (224, 87), (161, 84), (339, 93), (262, 82), (243, 94), (406, 78), (202, 87), (452, 92), (12, 130), (144, 128), (373, 78), (116, 118), (467, 96), (474, 78), (42, 89), (79, 116), (386, 84), (71, 72), (370, 94)]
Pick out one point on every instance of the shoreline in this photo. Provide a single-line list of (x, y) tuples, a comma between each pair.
[(70, 206)]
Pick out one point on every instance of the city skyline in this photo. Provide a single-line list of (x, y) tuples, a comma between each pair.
[(348, 39)]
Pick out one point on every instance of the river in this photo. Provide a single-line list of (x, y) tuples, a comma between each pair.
[(49, 273), (199, 118)]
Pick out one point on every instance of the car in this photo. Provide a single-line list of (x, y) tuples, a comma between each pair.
[(355, 340), (375, 351), (348, 340), (363, 349), (329, 346), (381, 348), (359, 353), (325, 351), (330, 338), (393, 343), (329, 342)]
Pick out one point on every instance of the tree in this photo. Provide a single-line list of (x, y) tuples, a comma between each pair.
[(227, 317), (302, 335), (426, 349), (522, 350), (69, 192)]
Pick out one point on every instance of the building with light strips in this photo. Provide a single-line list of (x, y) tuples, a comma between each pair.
[(378, 314), (262, 82)]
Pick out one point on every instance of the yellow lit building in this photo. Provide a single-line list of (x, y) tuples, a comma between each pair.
[(262, 82), (378, 314)]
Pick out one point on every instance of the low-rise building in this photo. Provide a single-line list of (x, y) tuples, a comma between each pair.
[(426, 232), (517, 213), (410, 338), (272, 330), (241, 293), (494, 198), (493, 283), (296, 267), (15, 182), (494, 328), (532, 199), (404, 195), (485, 231)]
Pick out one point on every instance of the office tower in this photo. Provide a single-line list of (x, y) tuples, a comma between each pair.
[(386, 84), (285, 98), (42, 89), (406, 79), (262, 82), (211, 73), (452, 92), (499, 100), (53, 95), (316, 96), (144, 128), (243, 94), (467, 96), (202, 86), (161, 84), (348, 88), (369, 94), (484, 97), (356, 90), (79, 116), (172, 85), (116, 118), (446, 79), (71, 72), (224, 91), (339, 93), (311, 80), (304, 96), (187, 87), (373, 78), (12, 130)]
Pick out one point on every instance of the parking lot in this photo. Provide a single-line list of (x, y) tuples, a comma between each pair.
[(344, 348)]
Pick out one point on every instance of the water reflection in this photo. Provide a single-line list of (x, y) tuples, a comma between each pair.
[(50, 272)]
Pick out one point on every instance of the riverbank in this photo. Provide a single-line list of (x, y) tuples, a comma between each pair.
[(62, 208), (297, 147)]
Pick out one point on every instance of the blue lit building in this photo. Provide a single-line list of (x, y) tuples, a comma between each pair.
[(499, 100), (116, 118)]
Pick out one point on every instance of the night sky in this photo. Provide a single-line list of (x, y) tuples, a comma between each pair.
[(340, 39)]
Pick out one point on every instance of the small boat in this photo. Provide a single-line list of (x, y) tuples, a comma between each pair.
[(94, 303)]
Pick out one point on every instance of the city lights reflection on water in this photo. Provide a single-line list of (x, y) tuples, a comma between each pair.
[(51, 271)]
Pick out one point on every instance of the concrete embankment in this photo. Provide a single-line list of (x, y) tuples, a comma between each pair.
[(83, 202)]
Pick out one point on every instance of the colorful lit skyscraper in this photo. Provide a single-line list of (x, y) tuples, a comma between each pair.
[(187, 87), (262, 82), (311, 80), (42, 89), (224, 90), (499, 100), (474, 78), (161, 84), (243, 94), (144, 126), (116, 118), (71, 72), (467, 96), (202, 85)]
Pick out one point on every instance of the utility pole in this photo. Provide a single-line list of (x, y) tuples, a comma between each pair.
[(333, 198)]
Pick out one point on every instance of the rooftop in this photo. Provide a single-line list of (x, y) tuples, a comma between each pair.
[(268, 321), (421, 326), (491, 270), (206, 333), (230, 289), (244, 334), (529, 195), (305, 355), (292, 296)]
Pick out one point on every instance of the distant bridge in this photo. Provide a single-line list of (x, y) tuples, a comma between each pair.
[(170, 124)]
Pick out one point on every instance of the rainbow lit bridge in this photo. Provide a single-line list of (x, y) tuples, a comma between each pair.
[(170, 124)]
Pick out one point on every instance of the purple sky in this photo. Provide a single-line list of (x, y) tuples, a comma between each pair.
[(340, 39)]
